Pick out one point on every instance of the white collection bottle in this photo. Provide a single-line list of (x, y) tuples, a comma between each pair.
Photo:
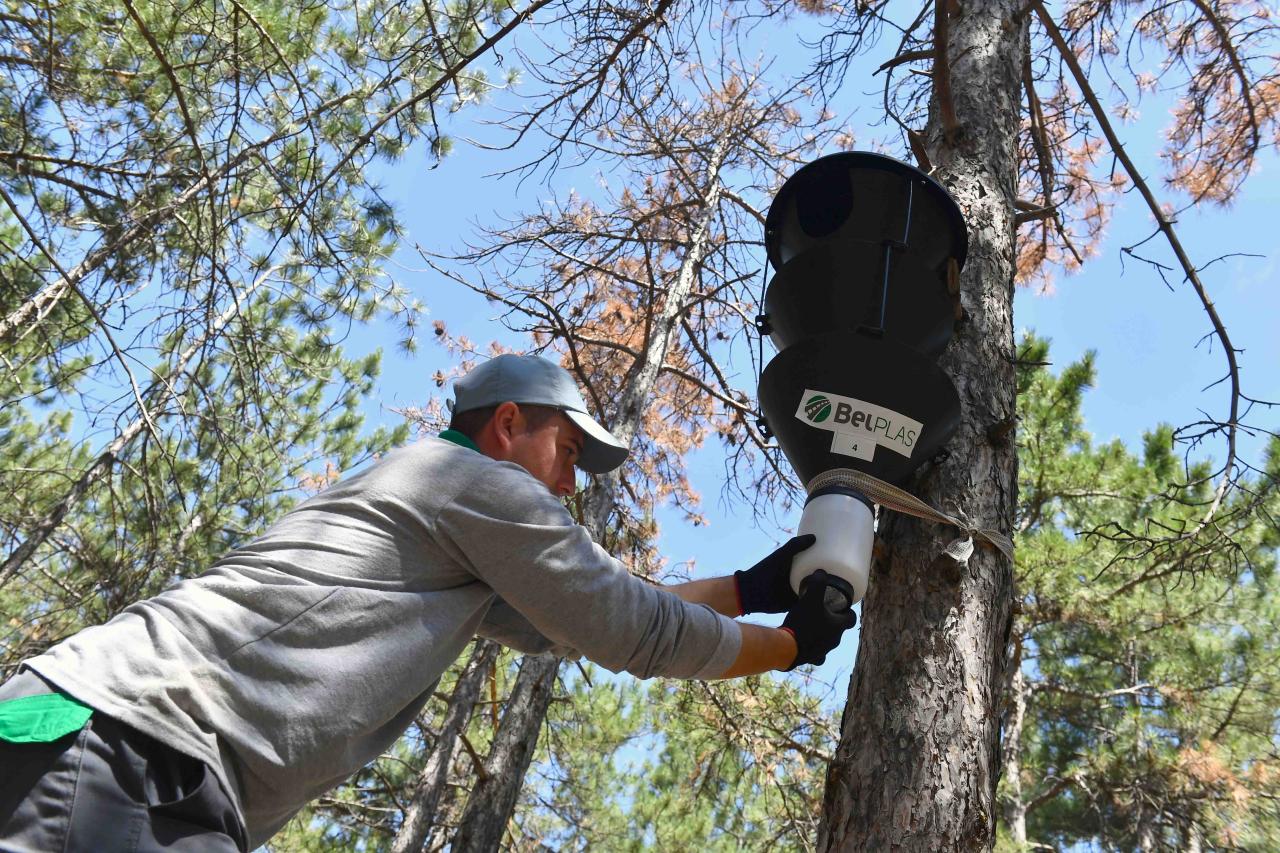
[(843, 522)]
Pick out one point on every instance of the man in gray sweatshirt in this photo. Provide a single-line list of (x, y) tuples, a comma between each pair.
[(207, 716)]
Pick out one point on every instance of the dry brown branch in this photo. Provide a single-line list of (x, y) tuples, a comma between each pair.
[(36, 157), (904, 58), (1228, 46), (918, 150), (1044, 161), (1035, 214), (589, 72)]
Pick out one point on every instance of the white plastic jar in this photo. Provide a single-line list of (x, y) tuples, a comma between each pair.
[(843, 522)]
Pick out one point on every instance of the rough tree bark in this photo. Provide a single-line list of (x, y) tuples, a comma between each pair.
[(919, 752), (491, 804)]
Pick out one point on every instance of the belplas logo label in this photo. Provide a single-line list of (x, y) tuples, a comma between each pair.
[(859, 426), (817, 408)]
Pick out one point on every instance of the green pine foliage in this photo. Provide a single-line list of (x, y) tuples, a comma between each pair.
[(188, 230), (1148, 641), (620, 765), (677, 766)]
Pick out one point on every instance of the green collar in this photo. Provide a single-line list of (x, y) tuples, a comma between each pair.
[(459, 439)]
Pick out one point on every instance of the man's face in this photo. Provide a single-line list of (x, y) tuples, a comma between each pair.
[(549, 453)]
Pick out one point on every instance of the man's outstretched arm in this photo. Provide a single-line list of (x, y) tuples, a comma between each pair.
[(763, 649), (720, 594), (810, 631), (763, 588)]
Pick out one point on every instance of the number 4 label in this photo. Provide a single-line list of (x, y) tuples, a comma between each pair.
[(851, 444)]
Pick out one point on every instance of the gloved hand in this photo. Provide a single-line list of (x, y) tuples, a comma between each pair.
[(816, 626), (766, 586)]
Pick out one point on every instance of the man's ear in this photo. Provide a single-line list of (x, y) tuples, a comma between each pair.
[(505, 424)]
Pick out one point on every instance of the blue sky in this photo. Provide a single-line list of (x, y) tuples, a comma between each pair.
[(1150, 367)]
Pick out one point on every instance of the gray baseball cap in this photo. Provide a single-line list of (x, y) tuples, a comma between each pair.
[(535, 381)]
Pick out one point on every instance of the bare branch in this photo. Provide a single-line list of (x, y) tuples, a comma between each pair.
[(942, 70), (1166, 227)]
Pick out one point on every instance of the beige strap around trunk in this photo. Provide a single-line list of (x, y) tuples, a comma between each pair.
[(891, 497)]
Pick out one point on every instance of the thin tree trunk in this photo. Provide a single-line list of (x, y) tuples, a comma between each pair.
[(493, 798), (1013, 806), (490, 805), (919, 751), (1146, 833), (428, 791), (1192, 841)]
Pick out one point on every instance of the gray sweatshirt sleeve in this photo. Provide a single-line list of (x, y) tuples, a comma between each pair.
[(504, 624), (513, 535)]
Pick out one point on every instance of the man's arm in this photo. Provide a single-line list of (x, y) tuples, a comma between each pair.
[(720, 594), (508, 626), (508, 531), (810, 631), (763, 649), (763, 588)]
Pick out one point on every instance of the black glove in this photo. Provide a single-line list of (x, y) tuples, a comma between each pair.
[(820, 616), (766, 586)]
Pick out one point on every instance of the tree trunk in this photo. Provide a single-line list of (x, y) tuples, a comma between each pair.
[(1013, 806), (1146, 833), (1192, 840), (493, 798), (919, 752), (428, 791)]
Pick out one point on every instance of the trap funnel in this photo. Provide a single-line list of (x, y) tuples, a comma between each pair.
[(867, 252), (861, 196), (844, 400), (881, 290)]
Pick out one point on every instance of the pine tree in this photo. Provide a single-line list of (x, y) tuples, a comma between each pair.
[(1009, 114), (1141, 713)]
